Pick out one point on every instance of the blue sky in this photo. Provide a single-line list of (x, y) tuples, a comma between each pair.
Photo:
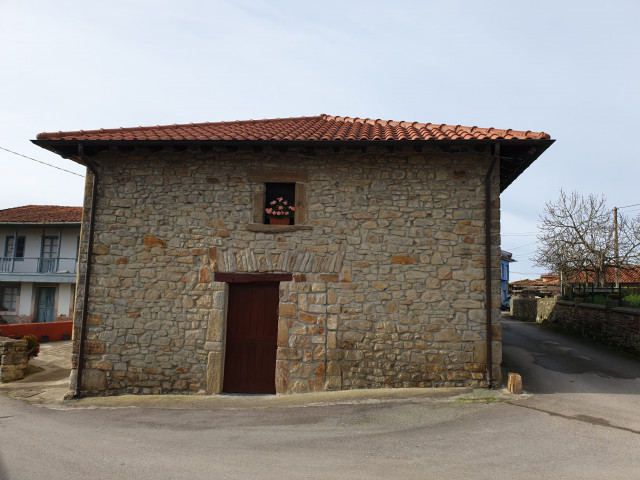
[(567, 68)]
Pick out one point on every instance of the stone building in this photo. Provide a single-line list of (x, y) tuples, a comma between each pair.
[(383, 278)]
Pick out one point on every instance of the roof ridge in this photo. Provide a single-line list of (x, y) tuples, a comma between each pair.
[(321, 127)]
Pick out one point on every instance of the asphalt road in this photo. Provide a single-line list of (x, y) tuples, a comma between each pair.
[(574, 377), (575, 427)]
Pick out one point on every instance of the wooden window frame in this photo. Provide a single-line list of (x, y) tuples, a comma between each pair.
[(15, 297), (264, 176), (15, 241)]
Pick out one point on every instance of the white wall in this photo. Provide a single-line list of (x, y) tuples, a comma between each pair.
[(64, 298), (26, 298), (33, 246)]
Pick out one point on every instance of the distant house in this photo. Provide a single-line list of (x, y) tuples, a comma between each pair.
[(628, 275), (39, 247), (505, 259), (387, 275), (547, 285)]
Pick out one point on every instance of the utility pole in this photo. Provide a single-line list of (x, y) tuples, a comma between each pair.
[(615, 246)]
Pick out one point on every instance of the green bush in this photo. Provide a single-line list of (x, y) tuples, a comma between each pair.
[(600, 299), (632, 300), (33, 347)]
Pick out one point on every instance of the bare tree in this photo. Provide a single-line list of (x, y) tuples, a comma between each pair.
[(577, 235)]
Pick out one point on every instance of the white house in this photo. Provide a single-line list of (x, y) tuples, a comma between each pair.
[(38, 263)]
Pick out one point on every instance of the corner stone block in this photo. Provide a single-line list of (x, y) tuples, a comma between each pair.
[(215, 365), (93, 380), (287, 310), (215, 327), (333, 383), (282, 376), (283, 333)]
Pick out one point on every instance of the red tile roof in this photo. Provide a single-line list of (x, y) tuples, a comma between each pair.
[(318, 128), (41, 214), (543, 281), (629, 274)]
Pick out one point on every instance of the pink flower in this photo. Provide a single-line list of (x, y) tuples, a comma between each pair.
[(285, 202), (293, 209), (280, 207), (269, 210), (280, 199)]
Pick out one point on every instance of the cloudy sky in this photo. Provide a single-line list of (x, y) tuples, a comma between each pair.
[(568, 68)]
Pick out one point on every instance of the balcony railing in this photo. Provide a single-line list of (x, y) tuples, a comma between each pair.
[(30, 265)]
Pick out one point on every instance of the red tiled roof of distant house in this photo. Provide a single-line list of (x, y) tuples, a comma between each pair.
[(41, 214), (629, 274), (543, 281), (550, 279), (318, 128)]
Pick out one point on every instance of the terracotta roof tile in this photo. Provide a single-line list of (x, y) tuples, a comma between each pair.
[(543, 281), (318, 128), (41, 214), (629, 274)]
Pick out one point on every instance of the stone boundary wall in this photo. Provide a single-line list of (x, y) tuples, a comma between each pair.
[(533, 309), (13, 359), (618, 326), (524, 309)]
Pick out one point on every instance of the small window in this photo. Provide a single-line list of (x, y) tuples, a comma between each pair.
[(280, 202), (18, 251), (272, 184), (9, 298)]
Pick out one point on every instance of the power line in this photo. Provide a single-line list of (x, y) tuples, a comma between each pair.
[(40, 161), (627, 206), (522, 246)]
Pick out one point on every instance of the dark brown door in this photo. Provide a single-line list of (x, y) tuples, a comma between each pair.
[(252, 333)]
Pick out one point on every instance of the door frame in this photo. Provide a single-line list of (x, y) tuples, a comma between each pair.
[(217, 326)]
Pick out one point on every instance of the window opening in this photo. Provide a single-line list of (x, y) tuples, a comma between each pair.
[(14, 251), (280, 198), (49, 254), (8, 298)]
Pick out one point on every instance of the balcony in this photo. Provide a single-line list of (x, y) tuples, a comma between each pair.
[(38, 269)]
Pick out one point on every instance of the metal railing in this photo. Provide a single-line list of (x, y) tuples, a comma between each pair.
[(38, 265), (598, 295)]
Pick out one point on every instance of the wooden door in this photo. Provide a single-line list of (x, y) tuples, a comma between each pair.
[(46, 305), (251, 343)]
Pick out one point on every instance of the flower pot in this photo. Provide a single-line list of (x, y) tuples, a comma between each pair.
[(279, 220)]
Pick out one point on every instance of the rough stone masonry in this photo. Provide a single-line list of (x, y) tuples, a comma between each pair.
[(387, 265)]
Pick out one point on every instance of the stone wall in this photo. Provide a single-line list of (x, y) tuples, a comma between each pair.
[(388, 269), (617, 326), (533, 309), (13, 359), (524, 309)]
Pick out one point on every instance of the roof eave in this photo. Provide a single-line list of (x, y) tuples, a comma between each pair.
[(37, 224), (519, 154)]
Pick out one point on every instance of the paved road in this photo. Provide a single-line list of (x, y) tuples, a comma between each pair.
[(430, 435), (574, 377)]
